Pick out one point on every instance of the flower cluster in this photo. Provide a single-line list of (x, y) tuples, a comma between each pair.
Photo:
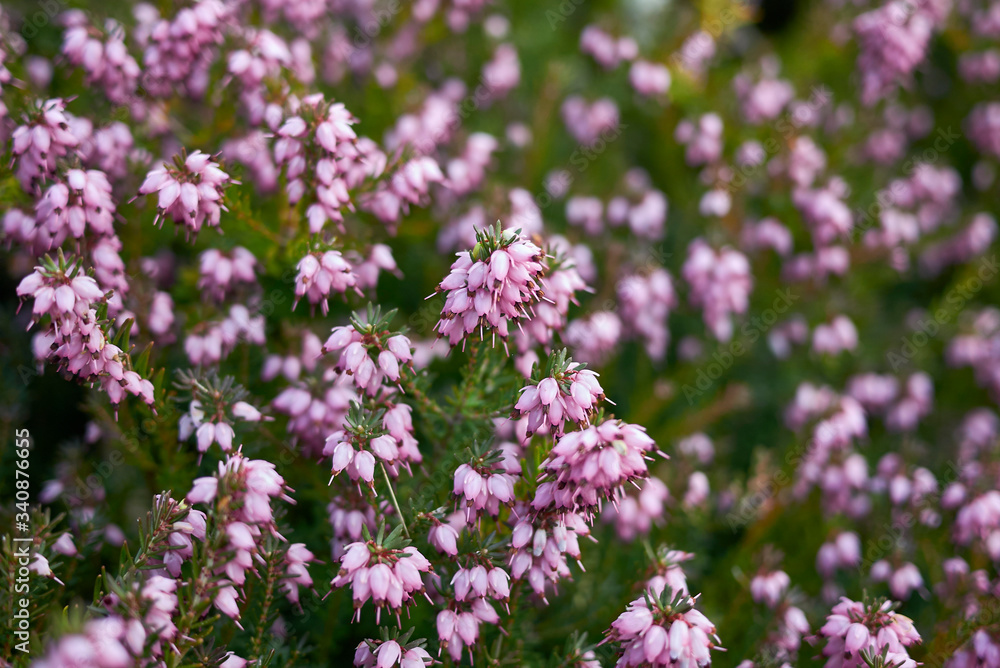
[(485, 482), (189, 192), (857, 632), (365, 441), (663, 628), (76, 338), (242, 490), (385, 569), (222, 272), (720, 283), (103, 57), (319, 274), (567, 392), (70, 207), (370, 352), (540, 547), (492, 286), (592, 465), (315, 144), (178, 51), (45, 137)]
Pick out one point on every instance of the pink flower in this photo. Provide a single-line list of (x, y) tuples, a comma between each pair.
[(634, 516), (893, 41), (491, 287), (316, 146), (79, 203), (541, 544), (720, 284), (589, 123), (645, 304), (64, 545), (568, 393), (233, 661), (75, 340), (101, 644), (763, 100), (854, 627), (457, 631), (359, 446), (503, 72), (247, 519), (383, 572), (559, 285), (102, 54), (296, 571), (190, 192), (221, 273), (703, 140), (321, 274), (650, 79), (663, 629), (593, 339), (178, 52), (444, 538), (484, 483), (589, 466), (225, 601), (45, 137), (769, 587), (371, 354), (264, 56), (605, 49)]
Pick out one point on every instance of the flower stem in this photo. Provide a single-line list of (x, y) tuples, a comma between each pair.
[(395, 503), (265, 607)]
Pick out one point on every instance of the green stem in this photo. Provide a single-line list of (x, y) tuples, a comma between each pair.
[(265, 609), (395, 503)]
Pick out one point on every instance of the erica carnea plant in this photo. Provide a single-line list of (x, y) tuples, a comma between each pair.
[(507, 333)]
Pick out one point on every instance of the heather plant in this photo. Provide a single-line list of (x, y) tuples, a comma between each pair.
[(499, 333)]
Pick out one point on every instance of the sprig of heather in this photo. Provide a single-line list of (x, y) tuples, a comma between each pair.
[(370, 353), (41, 141), (214, 405), (491, 287), (565, 392), (239, 525), (364, 442), (314, 144), (190, 192), (663, 628), (856, 632), (77, 337), (385, 569)]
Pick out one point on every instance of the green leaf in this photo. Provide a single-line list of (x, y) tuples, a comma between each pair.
[(122, 338)]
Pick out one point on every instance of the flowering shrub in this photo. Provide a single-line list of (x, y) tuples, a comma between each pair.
[(500, 333)]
